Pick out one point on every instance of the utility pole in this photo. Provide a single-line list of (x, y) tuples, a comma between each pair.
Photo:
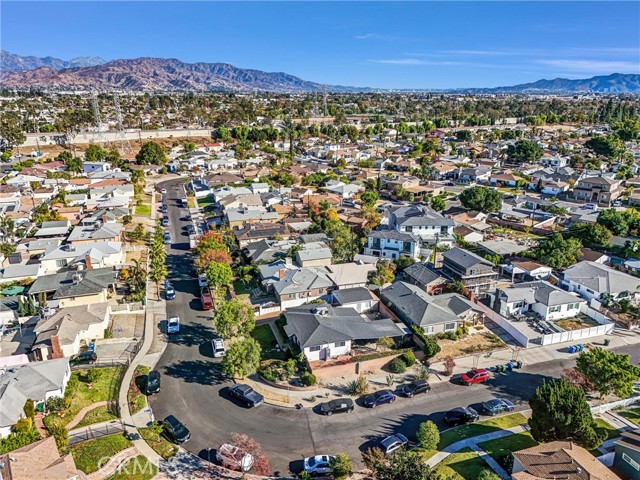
[(121, 135), (95, 106)]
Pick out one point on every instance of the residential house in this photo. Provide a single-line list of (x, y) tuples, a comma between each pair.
[(294, 287), (323, 332), (554, 162), (343, 190), (559, 459), (258, 187), (472, 219), (55, 228), (69, 289), (467, 234), (527, 270), (627, 454), (261, 232), (251, 200), (475, 272), (36, 247), (503, 179), (90, 167), (548, 301), (391, 244), (359, 298), (19, 272), (41, 460), (596, 281), (474, 174), (266, 250), (239, 217), (350, 274), (314, 254), (63, 333), (424, 222), (83, 256), (600, 189), (105, 232), (38, 381), (423, 277), (433, 314), (593, 256)]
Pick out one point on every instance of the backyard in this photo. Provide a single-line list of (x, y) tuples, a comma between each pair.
[(92, 454), (468, 345), (577, 323), (82, 392)]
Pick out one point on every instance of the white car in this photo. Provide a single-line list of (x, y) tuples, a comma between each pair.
[(202, 281), (173, 325), (163, 191), (217, 345), (320, 464)]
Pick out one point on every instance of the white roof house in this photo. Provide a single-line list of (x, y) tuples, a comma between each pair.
[(83, 255)]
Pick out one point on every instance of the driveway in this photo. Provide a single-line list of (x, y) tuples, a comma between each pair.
[(194, 390)]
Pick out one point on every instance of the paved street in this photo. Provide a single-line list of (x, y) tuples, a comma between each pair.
[(194, 390)]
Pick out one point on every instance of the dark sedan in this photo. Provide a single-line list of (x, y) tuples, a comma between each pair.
[(379, 398), (497, 405), (246, 395), (176, 430), (415, 387), (338, 405), (461, 415)]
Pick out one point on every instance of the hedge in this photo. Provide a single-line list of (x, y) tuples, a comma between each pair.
[(387, 353)]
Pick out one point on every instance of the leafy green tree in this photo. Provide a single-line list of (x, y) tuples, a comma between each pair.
[(16, 440), (600, 145), (558, 252), (242, 358), (369, 198), (223, 134), (608, 372), (234, 319), (219, 274), (95, 153), (464, 135), (10, 129), (590, 233), (458, 286), (402, 465), (151, 153), (7, 249), (488, 475), (484, 199), (189, 147), (428, 435), (64, 156), (437, 203), (559, 410), (431, 347), (615, 221), (341, 466), (73, 165), (525, 151)]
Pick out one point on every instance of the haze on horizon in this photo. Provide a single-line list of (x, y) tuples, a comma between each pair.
[(379, 44)]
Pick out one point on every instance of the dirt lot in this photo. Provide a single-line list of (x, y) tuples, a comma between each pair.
[(127, 325), (482, 341), (576, 323)]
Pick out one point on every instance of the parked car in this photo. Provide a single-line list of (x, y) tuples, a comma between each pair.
[(477, 375), (165, 221), (175, 430), (169, 291), (163, 191), (163, 208), (591, 206), (191, 230), (461, 415), (497, 405), (234, 458), (209, 208), (318, 465), (206, 300), (152, 384), (246, 395), (617, 203), (392, 443), (415, 387), (338, 405), (88, 356), (167, 238), (173, 325), (379, 398), (202, 281), (217, 345)]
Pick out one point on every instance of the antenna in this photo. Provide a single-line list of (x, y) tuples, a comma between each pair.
[(121, 136)]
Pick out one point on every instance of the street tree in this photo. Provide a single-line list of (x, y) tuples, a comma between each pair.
[(481, 198), (402, 465), (242, 358), (558, 252), (219, 274), (234, 319), (590, 233), (341, 466), (559, 410), (608, 372), (428, 435)]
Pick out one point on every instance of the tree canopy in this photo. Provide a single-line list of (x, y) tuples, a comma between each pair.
[(242, 358), (151, 153), (590, 233), (234, 319), (558, 252), (525, 151), (219, 274), (608, 372), (484, 199)]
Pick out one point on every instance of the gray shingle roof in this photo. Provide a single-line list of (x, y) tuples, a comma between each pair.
[(394, 235), (422, 274), (63, 284), (419, 215), (601, 279), (464, 258), (539, 292), (104, 232), (352, 295)]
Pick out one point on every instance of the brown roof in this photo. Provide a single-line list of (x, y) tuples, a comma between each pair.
[(463, 230), (560, 459), (590, 255), (108, 182), (80, 181), (528, 265), (39, 460)]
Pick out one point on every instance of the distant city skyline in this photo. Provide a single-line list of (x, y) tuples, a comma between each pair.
[(366, 44)]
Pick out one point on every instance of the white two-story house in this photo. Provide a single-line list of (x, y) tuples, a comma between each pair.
[(423, 222), (391, 244)]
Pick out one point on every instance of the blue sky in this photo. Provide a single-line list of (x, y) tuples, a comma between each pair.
[(376, 44)]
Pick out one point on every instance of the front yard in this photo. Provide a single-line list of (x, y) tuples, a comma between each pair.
[(137, 468), (242, 291), (268, 343), (93, 454), (633, 415), (135, 396), (82, 392), (501, 449), (160, 445), (462, 465), (468, 345)]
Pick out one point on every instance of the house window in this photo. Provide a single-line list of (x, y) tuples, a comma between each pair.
[(428, 329), (518, 304), (61, 263), (590, 291), (630, 461), (409, 229), (573, 306), (339, 344), (557, 308), (449, 326), (314, 349)]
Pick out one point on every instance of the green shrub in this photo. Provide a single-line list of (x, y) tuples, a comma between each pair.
[(358, 387), (268, 374), (55, 404), (452, 335), (431, 347), (29, 409), (397, 365), (308, 379), (94, 374), (408, 358)]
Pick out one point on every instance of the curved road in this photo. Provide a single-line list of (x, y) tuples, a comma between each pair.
[(193, 388)]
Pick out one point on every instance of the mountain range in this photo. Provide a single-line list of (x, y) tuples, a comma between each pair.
[(162, 74)]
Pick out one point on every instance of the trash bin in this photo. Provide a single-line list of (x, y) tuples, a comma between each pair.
[(572, 349), (606, 342)]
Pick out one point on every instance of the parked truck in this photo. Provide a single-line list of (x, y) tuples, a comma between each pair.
[(234, 458)]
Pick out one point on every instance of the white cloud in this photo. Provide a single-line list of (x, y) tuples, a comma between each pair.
[(593, 66), (367, 36), (414, 61)]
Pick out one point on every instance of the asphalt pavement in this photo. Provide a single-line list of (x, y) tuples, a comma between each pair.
[(194, 390)]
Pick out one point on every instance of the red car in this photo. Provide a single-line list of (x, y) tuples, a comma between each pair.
[(207, 301), (478, 375)]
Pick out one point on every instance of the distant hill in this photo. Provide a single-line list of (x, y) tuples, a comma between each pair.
[(10, 62), (165, 74)]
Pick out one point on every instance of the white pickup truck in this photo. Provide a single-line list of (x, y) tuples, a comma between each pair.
[(232, 457)]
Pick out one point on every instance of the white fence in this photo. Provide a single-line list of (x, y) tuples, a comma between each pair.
[(518, 336), (617, 404), (264, 310)]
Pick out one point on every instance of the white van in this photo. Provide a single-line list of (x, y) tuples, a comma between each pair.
[(232, 457), (217, 345)]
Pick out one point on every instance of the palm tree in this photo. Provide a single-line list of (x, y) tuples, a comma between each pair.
[(137, 280), (7, 227)]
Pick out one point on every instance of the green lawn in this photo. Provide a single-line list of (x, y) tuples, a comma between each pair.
[(633, 415), (89, 455), (462, 465), (606, 427), (452, 435), (203, 202), (242, 291), (137, 399), (137, 468), (160, 445), (264, 335), (97, 415), (503, 447), (104, 388), (143, 209)]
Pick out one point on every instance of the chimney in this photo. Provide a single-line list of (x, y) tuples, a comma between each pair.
[(87, 261), (281, 273), (104, 218), (56, 351)]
